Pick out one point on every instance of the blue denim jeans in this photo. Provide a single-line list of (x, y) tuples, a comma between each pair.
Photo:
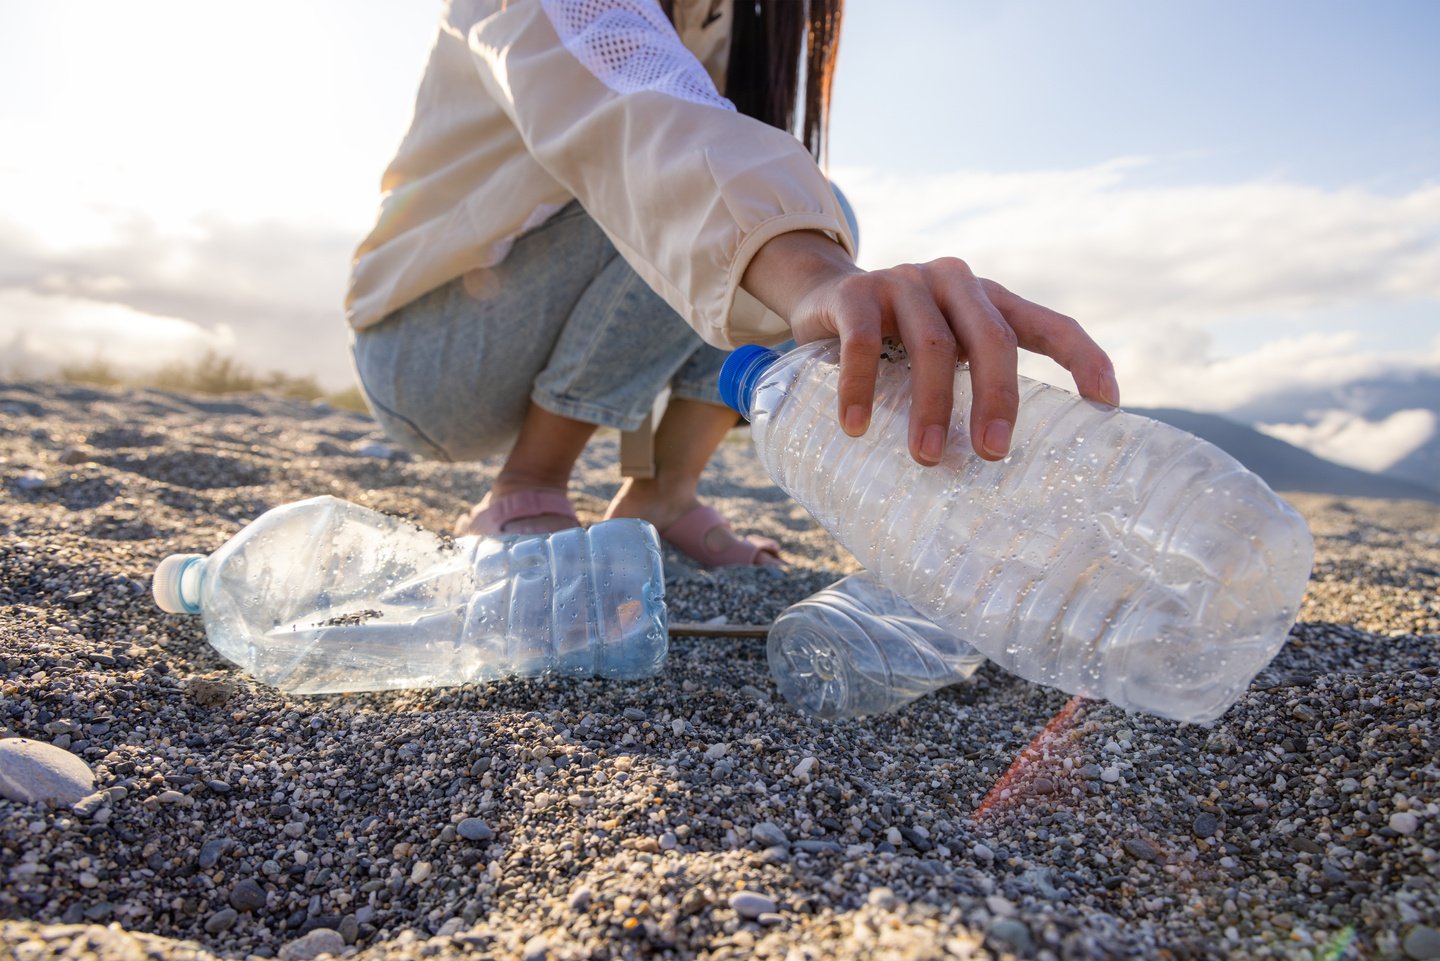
[(562, 321)]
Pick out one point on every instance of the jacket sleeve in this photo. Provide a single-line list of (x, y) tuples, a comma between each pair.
[(611, 104)]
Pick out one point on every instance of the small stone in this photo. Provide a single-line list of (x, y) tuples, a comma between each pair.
[(1422, 943), (716, 751), (882, 898), (474, 829), (33, 772), (71, 456), (750, 904), (30, 480), (1110, 775), (767, 834), (349, 928), (247, 895), (536, 949), (89, 804), (1012, 933), (803, 769), (816, 846), (294, 829), (668, 841), (1205, 825), (1141, 849), (982, 852), (211, 852), (317, 942), (1404, 822), (678, 726), (580, 898), (420, 872), (635, 714), (221, 921), (1000, 906)]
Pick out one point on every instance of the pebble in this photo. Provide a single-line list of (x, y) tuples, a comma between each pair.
[(1422, 943), (33, 772), (1205, 825), (750, 904), (221, 921), (312, 945), (1141, 849), (767, 834), (1013, 933), (211, 852), (474, 829), (1404, 822), (248, 895)]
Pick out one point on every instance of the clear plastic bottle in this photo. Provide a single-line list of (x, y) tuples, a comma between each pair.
[(322, 596), (1108, 555), (858, 648)]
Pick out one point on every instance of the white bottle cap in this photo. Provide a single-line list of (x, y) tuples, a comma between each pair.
[(166, 584)]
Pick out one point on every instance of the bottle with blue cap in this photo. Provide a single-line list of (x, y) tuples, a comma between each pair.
[(1108, 555), (323, 596)]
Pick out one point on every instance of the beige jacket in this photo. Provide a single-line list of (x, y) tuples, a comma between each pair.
[(527, 104)]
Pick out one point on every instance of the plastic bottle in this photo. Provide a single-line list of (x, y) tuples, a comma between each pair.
[(858, 648), (1108, 555), (322, 595)]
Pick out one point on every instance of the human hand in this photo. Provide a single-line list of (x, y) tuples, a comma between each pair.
[(943, 314)]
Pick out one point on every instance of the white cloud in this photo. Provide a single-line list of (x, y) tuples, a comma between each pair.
[(78, 331), (1348, 438), (1153, 272)]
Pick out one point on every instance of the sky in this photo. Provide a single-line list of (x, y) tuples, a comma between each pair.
[(1235, 199)]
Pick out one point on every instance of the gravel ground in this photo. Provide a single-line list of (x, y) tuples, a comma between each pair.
[(692, 815)]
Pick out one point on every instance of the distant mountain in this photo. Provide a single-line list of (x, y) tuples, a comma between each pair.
[(1372, 398), (1286, 467)]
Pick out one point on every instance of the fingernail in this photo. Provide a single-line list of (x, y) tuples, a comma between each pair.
[(932, 444), (857, 418), (997, 437), (1110, 389)]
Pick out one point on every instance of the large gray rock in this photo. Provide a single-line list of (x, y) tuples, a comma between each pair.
[(33, 772)]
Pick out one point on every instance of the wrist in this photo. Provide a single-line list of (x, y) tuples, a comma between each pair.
[(788, 267)]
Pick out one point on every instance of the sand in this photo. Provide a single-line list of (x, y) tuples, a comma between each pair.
[(694, 815)]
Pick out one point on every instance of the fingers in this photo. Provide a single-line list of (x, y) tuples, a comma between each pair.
[(1044, 331), (991, 348), (860, 345), (941, 311), (930, 345)]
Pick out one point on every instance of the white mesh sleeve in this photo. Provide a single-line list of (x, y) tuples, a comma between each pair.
[(630, 46)]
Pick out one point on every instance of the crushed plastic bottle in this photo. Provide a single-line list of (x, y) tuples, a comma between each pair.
[(858, 648), (323, 596), (1108, 554)]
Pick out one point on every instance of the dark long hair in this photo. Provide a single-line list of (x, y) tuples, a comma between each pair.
[(769, 42)]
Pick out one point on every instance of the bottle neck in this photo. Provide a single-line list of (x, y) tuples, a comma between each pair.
[(742, 371), (192, 577)]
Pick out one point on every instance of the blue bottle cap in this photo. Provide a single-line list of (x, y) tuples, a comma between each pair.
[(741, 372)]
